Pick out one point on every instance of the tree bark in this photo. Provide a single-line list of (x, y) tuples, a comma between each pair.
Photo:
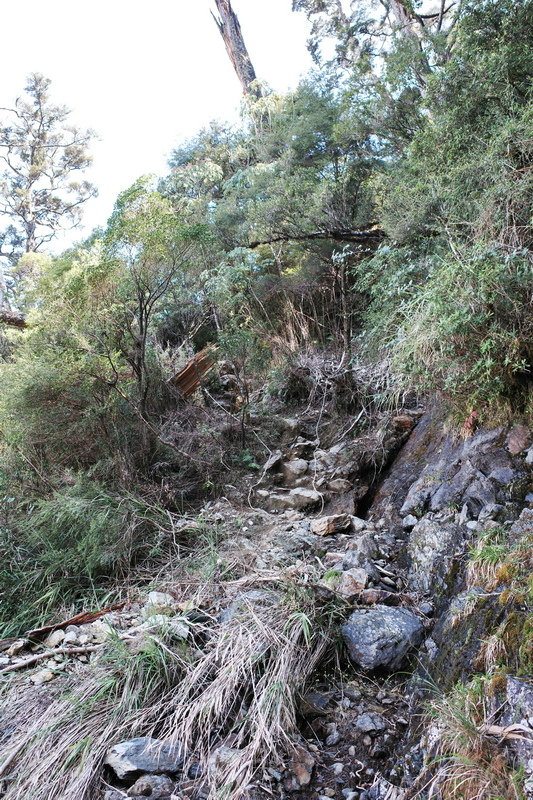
[(230, 30), (13, 319)]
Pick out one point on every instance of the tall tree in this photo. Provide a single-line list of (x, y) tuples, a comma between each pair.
[(40, 153), (231, 32)]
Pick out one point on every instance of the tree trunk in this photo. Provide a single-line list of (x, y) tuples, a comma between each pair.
[(13, 319), (230, 30)]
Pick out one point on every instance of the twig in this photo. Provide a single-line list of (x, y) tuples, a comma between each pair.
[(39, 656), (11, 757)]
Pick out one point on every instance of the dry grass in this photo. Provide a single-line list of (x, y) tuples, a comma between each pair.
[(240, 691), (467, 760)]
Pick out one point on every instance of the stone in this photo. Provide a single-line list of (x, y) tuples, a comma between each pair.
[(432, 549), (221, 759), (300, 767), (529, 456), (54, 639), (157, 787), (381, 636), (518, 439), (518, 710), (409, 522), (339, 485), (164, 624), (43, 676), (490, 511), (352, 582), (358, 524), (111, 794), (296, 498), (370, 723), (293, 470), (273, 461), (372, 596), (326, 526), (144, 754), (159, 603), (253, 599), (304, 498), (71, 637)]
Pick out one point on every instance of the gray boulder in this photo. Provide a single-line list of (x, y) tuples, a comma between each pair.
[(144, 755), (432, 549), (381, 636)]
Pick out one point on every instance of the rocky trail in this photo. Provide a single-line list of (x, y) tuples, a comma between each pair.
[(345, 578)]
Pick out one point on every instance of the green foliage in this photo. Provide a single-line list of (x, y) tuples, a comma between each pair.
[(60, 549)]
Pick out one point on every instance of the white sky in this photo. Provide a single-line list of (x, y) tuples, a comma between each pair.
[(144, 75)]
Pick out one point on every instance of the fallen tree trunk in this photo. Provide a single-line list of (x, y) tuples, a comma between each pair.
[(13, 319)]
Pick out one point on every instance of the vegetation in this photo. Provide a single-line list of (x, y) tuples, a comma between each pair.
[(380, 214)]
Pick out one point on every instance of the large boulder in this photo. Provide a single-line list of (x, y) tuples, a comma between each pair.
[(432, 550), (144, 754), (382, 636)]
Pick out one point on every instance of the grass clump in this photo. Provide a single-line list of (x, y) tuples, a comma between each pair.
[(468, 761), (65, 547)]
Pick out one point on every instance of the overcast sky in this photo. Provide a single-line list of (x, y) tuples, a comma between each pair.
[(144, 75)]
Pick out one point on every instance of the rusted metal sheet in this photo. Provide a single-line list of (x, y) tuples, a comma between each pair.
[(188, 379)]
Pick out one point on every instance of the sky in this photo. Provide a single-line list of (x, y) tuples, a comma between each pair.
[(144, 75)]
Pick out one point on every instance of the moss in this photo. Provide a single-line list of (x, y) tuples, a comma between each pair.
[(525, 649), (497, 683)]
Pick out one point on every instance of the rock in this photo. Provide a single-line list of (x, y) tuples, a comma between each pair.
[(157, 787), (491, 511), (144, 755), (372, 596), (433, 547), (409, 522), (358, 524), (339, 485), (296, 498), (518, 439), (54, 639), (352, 582), (71, 637), (300, 767), (293, 470), (370, 723), (403, 423), (381, 636), (159, 603), (164, 624), (111, 794), (220, 760), (518, 710), (43, 676), (304, 498), (253, 599), (273, 461), (326, 526)]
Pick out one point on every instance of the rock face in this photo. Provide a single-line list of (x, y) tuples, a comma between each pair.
[(381, 636), (433, 545), (144, 755)]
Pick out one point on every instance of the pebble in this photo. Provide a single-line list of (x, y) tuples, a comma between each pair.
[(333, 739), (329, 792), (351, 750), (337, 768), (43, 676), (367, 741)]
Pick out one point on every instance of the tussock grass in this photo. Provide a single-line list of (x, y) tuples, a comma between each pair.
[(240, 691), (467, 761)]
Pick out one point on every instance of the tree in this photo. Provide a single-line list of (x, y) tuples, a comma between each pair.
[(40, 153), (230, 30)]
